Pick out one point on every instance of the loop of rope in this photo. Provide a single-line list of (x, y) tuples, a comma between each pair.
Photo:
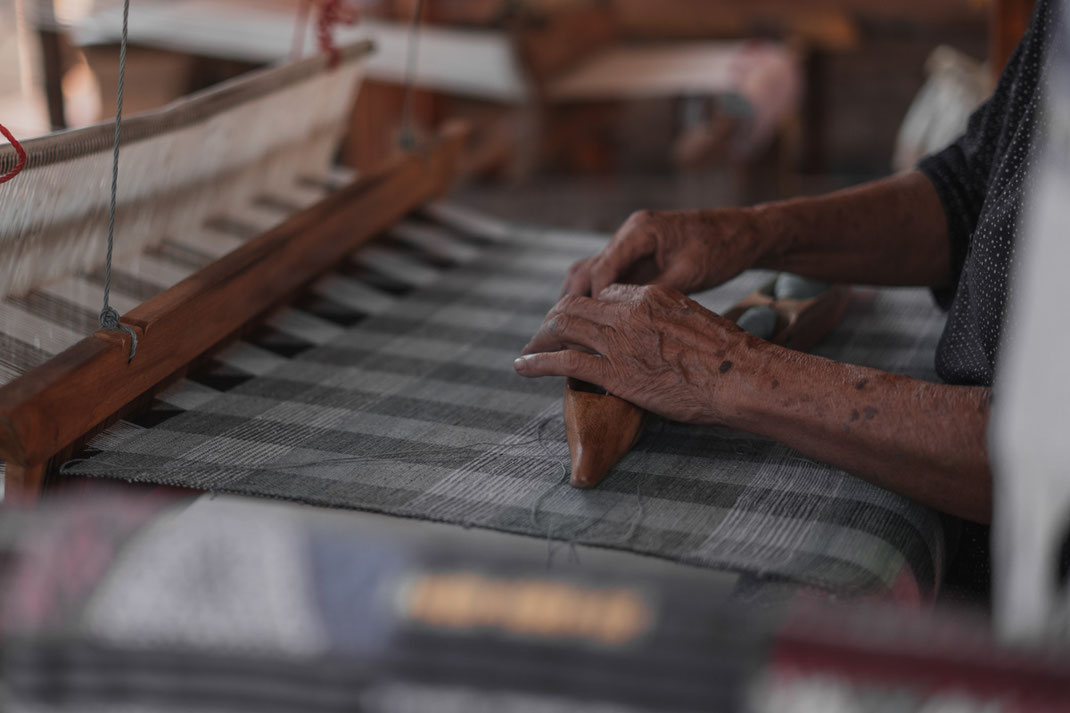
[(18, 150), (332, 14), (109, 318)]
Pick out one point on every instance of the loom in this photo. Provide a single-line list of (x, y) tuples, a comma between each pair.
[(195, 159), (381, 379), (181, 164)]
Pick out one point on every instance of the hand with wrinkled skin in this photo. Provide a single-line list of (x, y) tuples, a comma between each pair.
[(649, 345), (687, 251), (661, 351), (888, 232)]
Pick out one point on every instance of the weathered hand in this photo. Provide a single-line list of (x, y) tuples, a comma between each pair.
[(649, 345), (685, 250)]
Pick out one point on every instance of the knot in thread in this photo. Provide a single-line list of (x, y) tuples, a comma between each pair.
[(109, 319)]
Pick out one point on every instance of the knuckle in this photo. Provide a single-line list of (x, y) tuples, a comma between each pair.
[(602, 274), (638, 221), (572, 360), (558, 324), (565, 304), (649, 292), (580, 266)]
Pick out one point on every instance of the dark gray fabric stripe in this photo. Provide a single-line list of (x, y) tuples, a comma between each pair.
[(402, 326), (20, 356), (132, 285), (503, 380), (182, 254), (531, 306), (56, 310), (234, 227), (274, 390)]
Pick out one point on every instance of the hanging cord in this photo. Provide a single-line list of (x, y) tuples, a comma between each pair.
[(18, 150), (109, 318), (407, 137)]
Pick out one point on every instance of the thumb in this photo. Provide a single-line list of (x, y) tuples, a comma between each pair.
[(566, 362), (678, 276)]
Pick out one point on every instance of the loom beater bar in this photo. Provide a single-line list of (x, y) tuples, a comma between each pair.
[(36, 418)]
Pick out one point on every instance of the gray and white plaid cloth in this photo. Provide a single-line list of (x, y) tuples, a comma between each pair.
[(414, 410)]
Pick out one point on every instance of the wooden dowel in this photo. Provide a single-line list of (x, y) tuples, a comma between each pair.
[(53, 406)]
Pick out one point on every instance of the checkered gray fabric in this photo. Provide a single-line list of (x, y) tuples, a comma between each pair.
[(414, 410)]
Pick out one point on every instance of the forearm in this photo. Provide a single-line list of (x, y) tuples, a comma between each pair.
[(919, 439), (888, 232)]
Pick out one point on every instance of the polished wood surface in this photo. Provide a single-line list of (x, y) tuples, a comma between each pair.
[(601, 429), (801, 324)]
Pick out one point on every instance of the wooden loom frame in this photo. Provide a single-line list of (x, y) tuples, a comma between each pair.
[(179, 326)]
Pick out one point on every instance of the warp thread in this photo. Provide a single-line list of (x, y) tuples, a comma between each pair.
[(21, 152)]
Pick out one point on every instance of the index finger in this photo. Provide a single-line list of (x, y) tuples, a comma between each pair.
[(578, 281), (628, 247)]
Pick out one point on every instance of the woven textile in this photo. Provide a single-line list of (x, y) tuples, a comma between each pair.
[(415, 410)]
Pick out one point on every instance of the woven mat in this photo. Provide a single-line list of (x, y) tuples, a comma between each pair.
[(415, 411)]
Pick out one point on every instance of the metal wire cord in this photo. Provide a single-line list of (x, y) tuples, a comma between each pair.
[(109, 317)]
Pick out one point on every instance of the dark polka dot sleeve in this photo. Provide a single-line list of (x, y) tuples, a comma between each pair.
[(981, 180)]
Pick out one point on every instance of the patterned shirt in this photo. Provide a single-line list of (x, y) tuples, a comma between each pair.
[(981, 180)]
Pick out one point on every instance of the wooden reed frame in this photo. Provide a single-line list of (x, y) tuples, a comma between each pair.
[(49, 410)]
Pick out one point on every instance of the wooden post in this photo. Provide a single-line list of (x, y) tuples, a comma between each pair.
[(52, 66), (1009, 21)]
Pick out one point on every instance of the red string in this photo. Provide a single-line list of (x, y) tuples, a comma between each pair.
[(19, 150), (332, 14)]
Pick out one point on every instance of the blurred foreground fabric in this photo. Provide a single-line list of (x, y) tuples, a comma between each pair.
[(222, 604)]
